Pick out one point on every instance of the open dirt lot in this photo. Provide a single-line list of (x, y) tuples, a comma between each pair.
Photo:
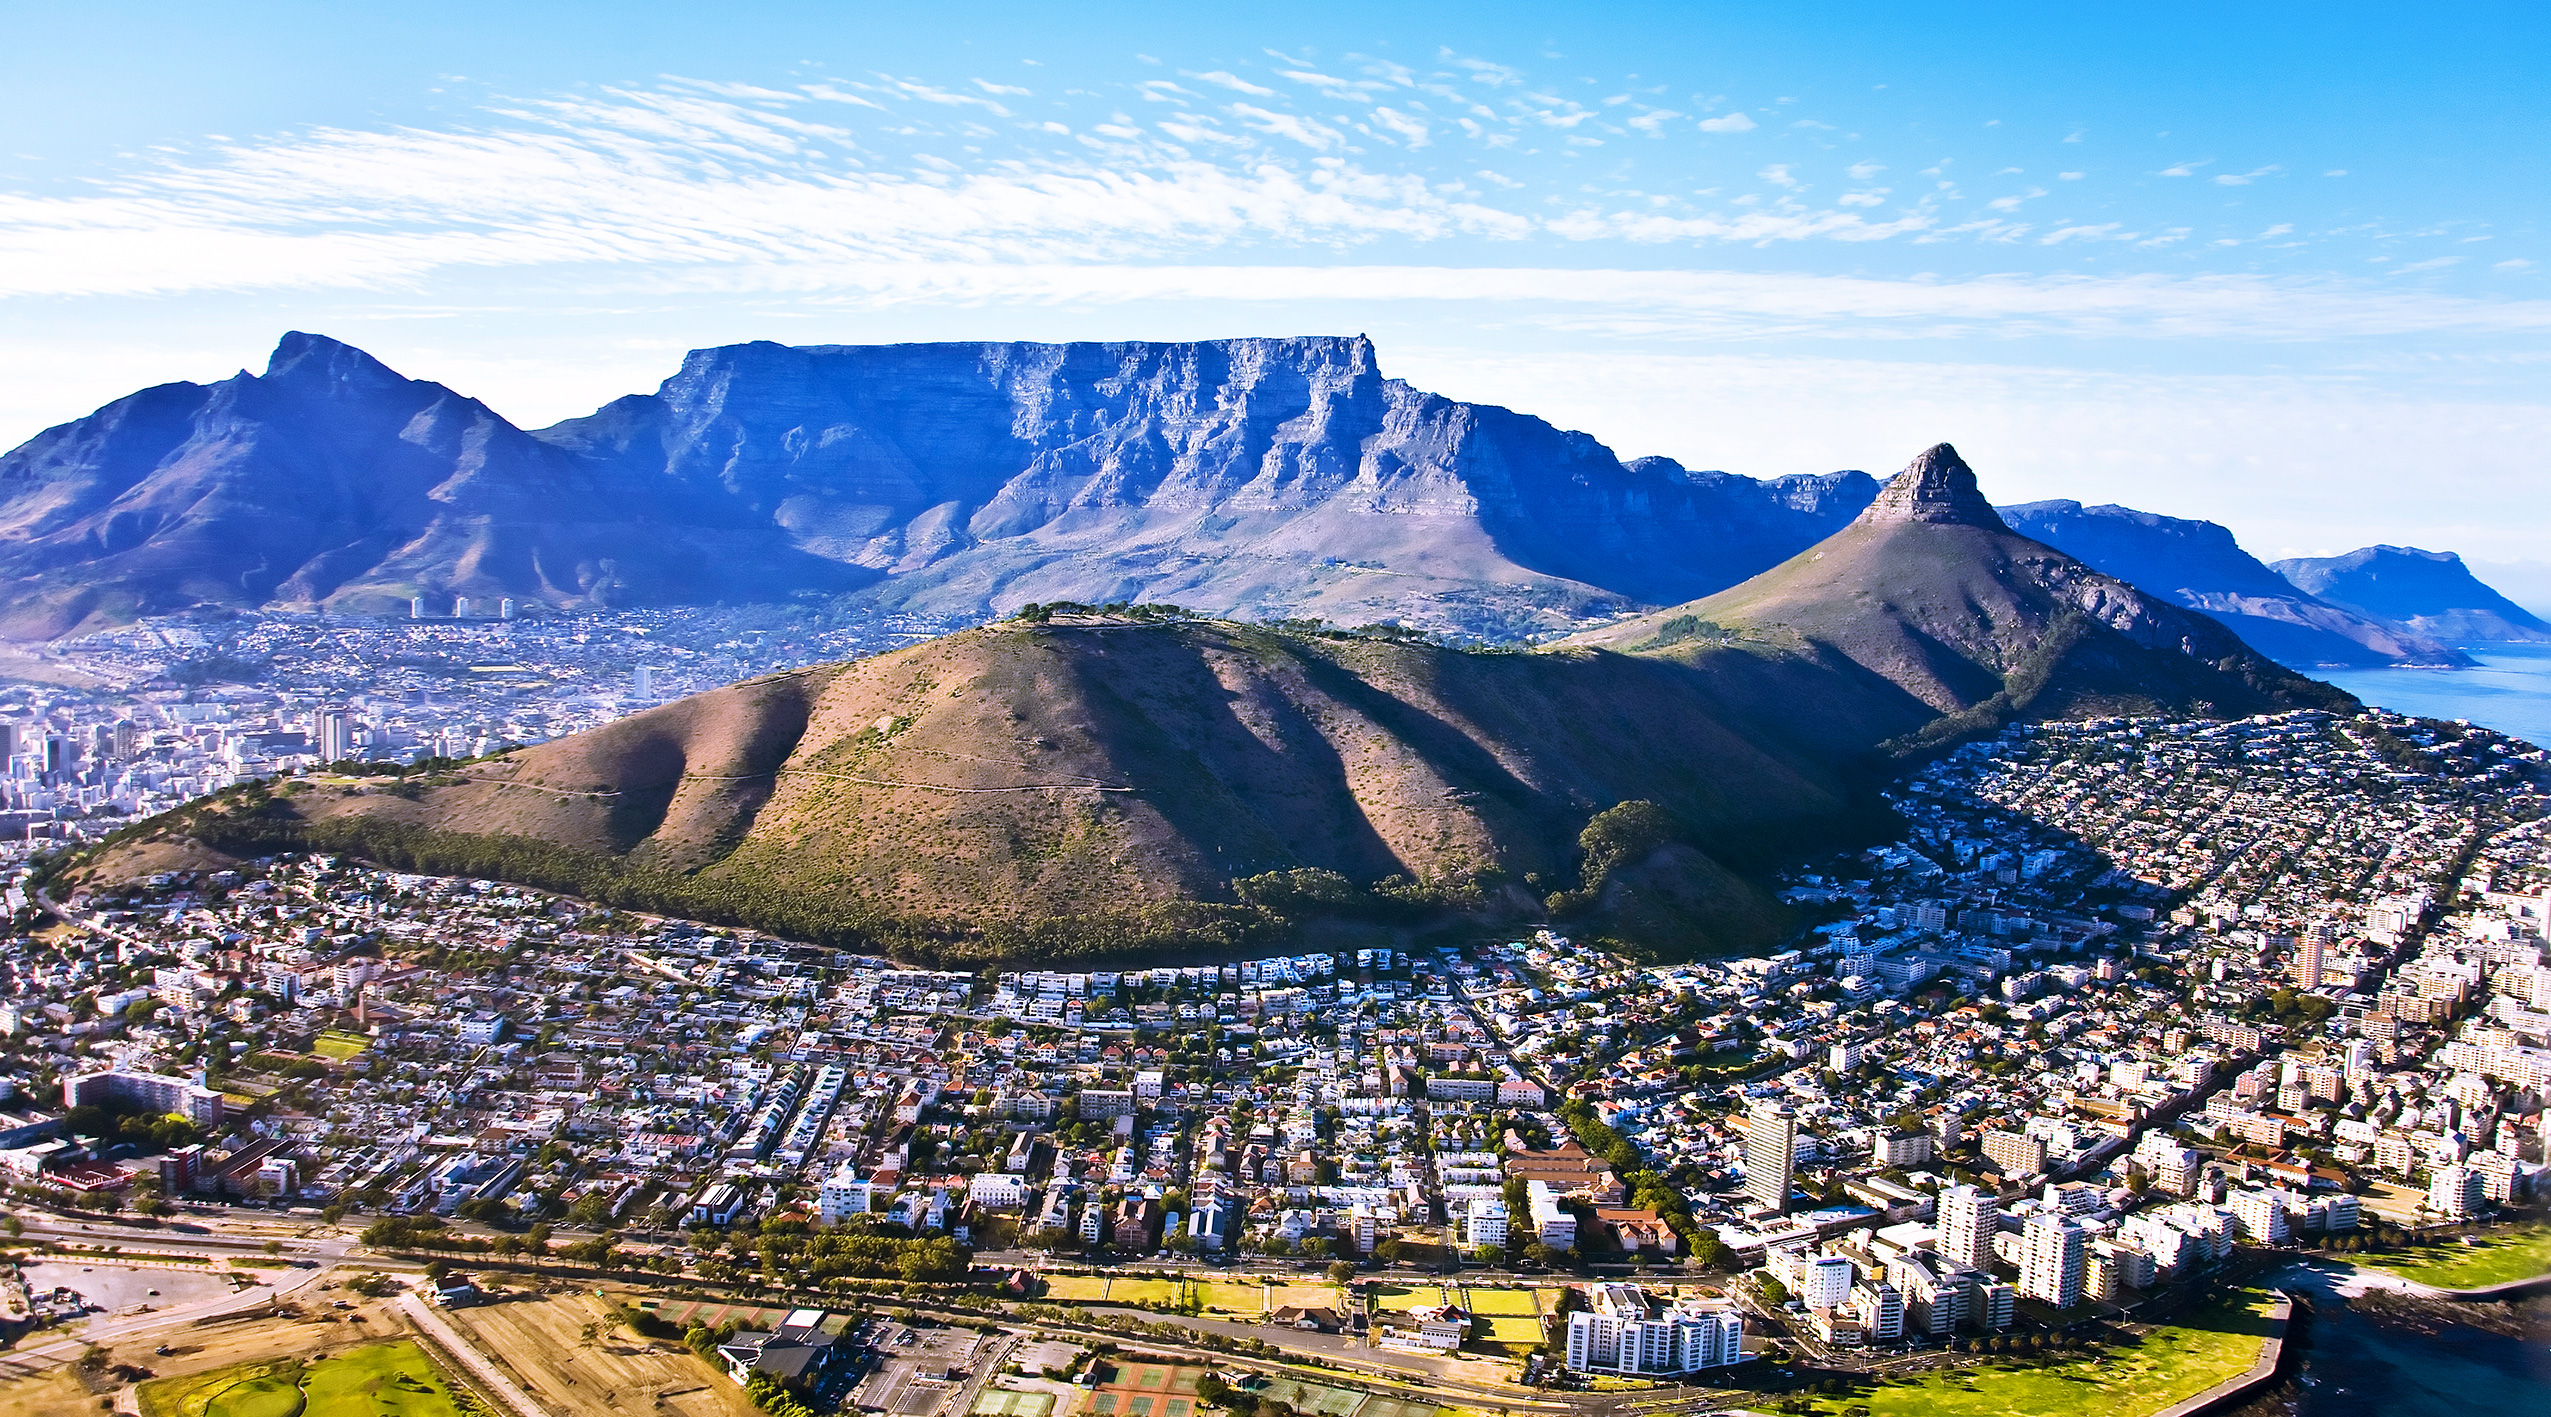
[(575, 1363), (116, 1288), (300, 1330)]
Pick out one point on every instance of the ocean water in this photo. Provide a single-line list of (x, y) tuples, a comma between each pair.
[(2510, 691), (2355, 1365)]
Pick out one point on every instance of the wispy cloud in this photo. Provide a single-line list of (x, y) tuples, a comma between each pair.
[(1727, 123), (1234, 82)]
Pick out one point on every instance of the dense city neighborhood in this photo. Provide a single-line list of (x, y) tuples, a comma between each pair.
[(2127, 1002)]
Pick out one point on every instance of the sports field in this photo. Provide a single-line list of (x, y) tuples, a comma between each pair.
[(1313, 1397), (1140, 1389), (1513, 1330), (1112, 1289), (382, 1380), (2451, 1264), (1400, 1298), (1001, 1402), (1241, 1300), (340, 1046), (2169, 1365), (1518, 1302)]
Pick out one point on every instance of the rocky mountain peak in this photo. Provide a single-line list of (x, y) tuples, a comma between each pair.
[(318, 364), (1937, 487)]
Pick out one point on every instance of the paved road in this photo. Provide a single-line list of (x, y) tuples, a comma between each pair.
[(987, 1362), (494, 1380)]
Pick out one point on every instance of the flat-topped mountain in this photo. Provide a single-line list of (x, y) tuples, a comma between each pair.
[(1263, 478), (1096, 784), (2428, 592), (2198, 565)]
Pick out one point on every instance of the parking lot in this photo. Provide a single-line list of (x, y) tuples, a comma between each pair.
[(918, 1371)]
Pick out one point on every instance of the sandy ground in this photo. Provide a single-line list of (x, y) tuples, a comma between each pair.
[(303, 1326), (116, 1288), (573, 1362)]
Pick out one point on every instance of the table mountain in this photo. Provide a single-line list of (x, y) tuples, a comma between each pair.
[(2424, 592), (1266, 478), (2198, 565)]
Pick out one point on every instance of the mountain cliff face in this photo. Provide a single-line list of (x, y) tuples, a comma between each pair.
[(2198, 565), (1264, 477), (2425, 592)]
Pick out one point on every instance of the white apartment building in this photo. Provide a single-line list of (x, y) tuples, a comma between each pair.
[(1969, 1219), (844, 1194), (1771, 1153), (2052, 1260), (1620, 1335)]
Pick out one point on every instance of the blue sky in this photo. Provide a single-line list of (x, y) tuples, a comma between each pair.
[(2281, 266)]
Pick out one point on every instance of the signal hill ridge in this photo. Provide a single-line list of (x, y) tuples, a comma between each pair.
[(1091, 783)]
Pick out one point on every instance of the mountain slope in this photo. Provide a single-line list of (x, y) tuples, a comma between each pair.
[(1097, 785), (331, 479), (2198, 565), (1929, 590), (1259, 477), (2429, 592), (1093, 786)]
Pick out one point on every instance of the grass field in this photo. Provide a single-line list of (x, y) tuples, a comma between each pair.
[(1400, 1298), (2450, 1264), (382, 1380), (1305, 1296), (1244, 1300), (574, 1362), (1513, 1330), (1093, 1288), (1312, 1397), (1001, 1402), (1501, 1302), (340, 1046), (1075, 1288), (2171, 1363)]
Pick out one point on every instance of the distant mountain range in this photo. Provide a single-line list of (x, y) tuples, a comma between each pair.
[(1258, 478), (1102, 785), (2197, 564), (1269, 478), (2429, 591)]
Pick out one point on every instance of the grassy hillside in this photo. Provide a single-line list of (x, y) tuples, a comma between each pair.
[(1981, 625), (1097, 785)]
